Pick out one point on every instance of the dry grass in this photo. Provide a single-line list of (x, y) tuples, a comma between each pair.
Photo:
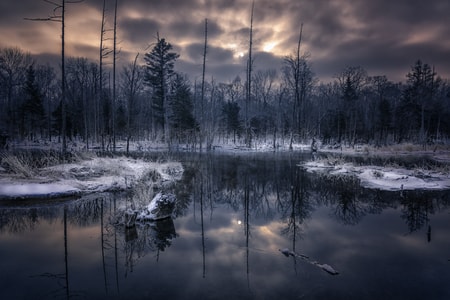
[(145, 190), (28, 164), (19, 165)]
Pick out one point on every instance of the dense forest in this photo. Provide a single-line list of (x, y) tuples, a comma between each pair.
[(148, 100)]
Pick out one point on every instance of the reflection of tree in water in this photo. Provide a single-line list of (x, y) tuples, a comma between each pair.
[(148, 238), (85, 212), (297, 207), (82, 212), (151, 237), (203, 197), (416, 208), (343, 193), (18, 220), (183, 190)]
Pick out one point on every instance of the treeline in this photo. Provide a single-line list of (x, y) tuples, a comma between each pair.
[(153, 102)]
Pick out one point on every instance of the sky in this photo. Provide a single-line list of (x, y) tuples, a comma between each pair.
[(385, 37)]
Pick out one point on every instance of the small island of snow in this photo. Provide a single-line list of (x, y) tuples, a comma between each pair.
[(97, 174), (383, 178)]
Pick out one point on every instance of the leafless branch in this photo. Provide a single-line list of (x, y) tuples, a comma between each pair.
[(51, 19)]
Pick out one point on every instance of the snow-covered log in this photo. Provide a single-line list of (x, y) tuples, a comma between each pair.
[(161, 207)]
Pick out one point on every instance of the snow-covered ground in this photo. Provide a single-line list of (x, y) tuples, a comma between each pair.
[(103, 174), (384, 178), (92, 175)]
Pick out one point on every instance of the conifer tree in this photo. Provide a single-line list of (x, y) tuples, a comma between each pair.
[(33, 109), (159, 71)]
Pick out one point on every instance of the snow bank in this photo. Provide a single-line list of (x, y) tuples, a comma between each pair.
[(36, 190), (384, 178), (94, 175)]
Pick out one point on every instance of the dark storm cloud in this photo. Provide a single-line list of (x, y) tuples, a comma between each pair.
[(139, 30), (266, 61), (215, 55), (194, 30), (385, 37)]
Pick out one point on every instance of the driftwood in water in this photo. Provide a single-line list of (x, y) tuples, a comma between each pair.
[(327, 268)]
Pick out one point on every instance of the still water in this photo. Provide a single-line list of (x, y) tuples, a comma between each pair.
[(233, 215)]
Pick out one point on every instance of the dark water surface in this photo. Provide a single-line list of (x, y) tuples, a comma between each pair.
[(232, 216)]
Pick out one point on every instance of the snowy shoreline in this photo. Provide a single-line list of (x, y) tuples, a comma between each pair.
[(383, 177), (94, 175), (100, 174)]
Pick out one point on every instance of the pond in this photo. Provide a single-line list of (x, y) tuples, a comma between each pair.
[(233, 214)]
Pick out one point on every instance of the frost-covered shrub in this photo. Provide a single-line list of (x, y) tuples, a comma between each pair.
[(19, 165)]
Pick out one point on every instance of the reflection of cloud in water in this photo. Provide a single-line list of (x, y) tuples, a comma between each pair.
[(377, 255)]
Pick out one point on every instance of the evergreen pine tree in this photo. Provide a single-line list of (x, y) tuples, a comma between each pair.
[(182, 119), (33, 114), (159, 71)]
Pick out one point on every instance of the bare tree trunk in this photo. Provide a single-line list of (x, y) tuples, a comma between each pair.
[(210, 120), (86, 120), (297, 104), (63, 82), (102, 55), (203, 125), (249, 82), (113, 108), (60, 18), (131, 100)]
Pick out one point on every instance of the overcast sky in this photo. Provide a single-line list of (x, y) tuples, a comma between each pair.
[(385, 37)]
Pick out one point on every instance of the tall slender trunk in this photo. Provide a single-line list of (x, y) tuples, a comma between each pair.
[(249, 82), (63, 82), (101, 56), (203, 86), (113, 108), (131, 100)]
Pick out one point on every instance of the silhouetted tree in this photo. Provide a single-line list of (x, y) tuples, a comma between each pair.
[(418, 97), (182, 119), (351, 82), (32, 112), (13, 66), (159, 71), (132, 81), (233, 124)]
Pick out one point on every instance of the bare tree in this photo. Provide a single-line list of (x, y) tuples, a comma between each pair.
[(113, 108), (104, 52), (58, 15), (351, 82), (203, 84), (249, 81), (292, 74), (13, 65), (47, 81), (132, 80)]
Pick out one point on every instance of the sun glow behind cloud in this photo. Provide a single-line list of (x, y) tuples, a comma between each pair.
[(268, 47), (386, 35)]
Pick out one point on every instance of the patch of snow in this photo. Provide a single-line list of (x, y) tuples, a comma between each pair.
[(36, 190), (94, 175), (383, 178)]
